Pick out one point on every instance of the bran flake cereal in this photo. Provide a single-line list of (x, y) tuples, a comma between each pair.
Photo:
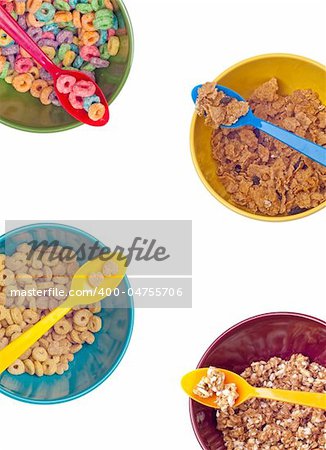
[(218, 108), (260, 173)]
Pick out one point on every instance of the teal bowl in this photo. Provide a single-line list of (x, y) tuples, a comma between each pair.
[(26, 113), (94, 363)]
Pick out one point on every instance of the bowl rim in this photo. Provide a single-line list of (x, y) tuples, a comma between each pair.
[(217, 196), (125, 346), (76, 124), (230, 330)]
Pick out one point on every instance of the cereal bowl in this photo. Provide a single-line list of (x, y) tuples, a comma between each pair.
[(24, 112), (256, 339), (93, 364), (293, 72)]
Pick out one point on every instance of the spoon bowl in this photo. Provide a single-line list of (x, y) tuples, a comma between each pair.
[(246, 391), (242, 121), (80, 114), (308, 148), (191, 379), (80, 281)]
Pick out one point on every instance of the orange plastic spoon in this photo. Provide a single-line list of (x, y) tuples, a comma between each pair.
[(246, 391)]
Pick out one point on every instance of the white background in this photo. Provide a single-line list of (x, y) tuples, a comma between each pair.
[(139, 167)]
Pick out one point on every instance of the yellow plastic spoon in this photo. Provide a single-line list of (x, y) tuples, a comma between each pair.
[(246, 391), (16, 348)]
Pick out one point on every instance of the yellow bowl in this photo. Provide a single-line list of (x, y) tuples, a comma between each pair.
[(293, 72)]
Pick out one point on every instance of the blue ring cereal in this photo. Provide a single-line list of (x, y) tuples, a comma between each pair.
[(45, 13), (89, 101)]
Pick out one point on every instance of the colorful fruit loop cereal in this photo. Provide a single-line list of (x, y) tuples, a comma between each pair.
[(81, 96), (74, 34)]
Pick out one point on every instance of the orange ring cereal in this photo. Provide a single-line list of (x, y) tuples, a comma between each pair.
[(22, 82), (37, 87), (34, 71), (90, 37), (45, 94), (96, 111), (87, 22), (62, 17), (20, 8), (33, 5), (33, 22), (76, 19)]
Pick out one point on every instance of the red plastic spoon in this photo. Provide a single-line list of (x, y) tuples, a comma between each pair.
[(11, 27)]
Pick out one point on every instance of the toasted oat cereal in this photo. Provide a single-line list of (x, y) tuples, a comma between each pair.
[(95, 279), (260, 173), (213, 384), (22, 272), (271, 425), (110, 268), (218, 108)]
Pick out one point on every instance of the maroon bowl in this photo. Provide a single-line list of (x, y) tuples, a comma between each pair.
[(255, 339)]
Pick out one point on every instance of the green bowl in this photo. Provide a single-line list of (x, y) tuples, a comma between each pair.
[(26, 113)]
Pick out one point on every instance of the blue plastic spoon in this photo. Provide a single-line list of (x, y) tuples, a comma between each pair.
[(307, 148)]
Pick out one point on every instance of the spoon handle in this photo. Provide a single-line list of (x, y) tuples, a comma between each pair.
[(19, 346), (304, 146), (11, 27), (310, 399)]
